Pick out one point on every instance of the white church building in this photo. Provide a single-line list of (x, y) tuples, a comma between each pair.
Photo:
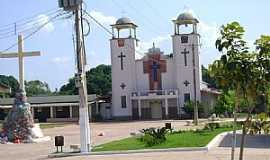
[(157, 85)]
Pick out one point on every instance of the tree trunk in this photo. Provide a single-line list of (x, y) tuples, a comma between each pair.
[(243, 136), (234, 124), (234, 135)]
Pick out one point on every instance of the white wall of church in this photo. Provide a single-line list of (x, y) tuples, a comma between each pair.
[(168, 78), (142, 80), (125, 75), (184, 71)]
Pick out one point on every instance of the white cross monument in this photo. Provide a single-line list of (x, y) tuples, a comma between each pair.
[(20, 54)]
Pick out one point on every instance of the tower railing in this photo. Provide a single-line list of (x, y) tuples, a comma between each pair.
[(155, 92)]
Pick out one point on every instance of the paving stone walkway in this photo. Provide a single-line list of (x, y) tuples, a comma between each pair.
[(114, 131)]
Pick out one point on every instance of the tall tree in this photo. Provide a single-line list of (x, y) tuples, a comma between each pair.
[(11, 82), (37, 88), (98, 81), (228, 71), (246, 73), (207, 78)]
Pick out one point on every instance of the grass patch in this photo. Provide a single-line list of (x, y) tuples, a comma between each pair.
[(51, 125), (184, 139)]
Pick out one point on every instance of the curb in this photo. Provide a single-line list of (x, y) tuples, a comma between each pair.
[(68, 154), (213, 143)]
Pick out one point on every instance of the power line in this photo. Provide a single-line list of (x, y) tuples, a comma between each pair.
[(151, 29), (25, 20), (29, 25), (95, 20), (154, 9), (34, 32)]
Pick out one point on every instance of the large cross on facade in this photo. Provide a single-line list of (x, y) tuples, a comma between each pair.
[(154, 67), (121, 56), (185, 55), (20, 54)]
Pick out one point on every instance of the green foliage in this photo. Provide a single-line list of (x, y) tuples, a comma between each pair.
[(37, 88), (211, 126), (260, 124), (153, 136), (189, 107), (98, 82), (11, 82), (207, 78), (225, 103)]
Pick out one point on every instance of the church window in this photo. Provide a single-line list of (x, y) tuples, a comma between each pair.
[(124, 101), (184, 39), (186, 97)]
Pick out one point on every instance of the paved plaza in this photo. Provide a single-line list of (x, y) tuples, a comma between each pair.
[(114, 131)]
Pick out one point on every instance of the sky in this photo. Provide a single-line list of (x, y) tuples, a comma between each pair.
[(153, 17)]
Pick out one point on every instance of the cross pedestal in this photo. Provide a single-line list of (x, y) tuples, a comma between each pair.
[(20, 54)]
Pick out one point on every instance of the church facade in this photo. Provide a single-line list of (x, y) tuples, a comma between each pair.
[(158, 85)]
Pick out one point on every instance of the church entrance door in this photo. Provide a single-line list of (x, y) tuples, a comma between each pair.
[(156, 109)]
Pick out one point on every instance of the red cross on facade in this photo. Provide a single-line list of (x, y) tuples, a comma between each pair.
[(154, 67)]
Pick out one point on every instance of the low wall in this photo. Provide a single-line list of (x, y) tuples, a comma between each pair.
[(62, 119)]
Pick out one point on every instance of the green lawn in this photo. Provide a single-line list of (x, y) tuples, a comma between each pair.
[(185, 139)]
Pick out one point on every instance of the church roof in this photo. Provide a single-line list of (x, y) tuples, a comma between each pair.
[(186, 18), (49, 99), (123, 20), (154, 50)]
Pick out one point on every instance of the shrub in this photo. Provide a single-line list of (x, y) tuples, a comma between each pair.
[(260, 124), (153, 136), (211, 126)]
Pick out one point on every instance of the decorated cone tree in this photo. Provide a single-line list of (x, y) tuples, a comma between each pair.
[(19, 122)]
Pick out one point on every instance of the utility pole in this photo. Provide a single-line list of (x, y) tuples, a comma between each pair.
[(75, 6), (81, 85), (196, 116)]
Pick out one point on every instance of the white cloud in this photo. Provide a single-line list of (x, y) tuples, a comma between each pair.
[(44, 19), (61, 60), (144, 46), (209, 34), (103, 19)]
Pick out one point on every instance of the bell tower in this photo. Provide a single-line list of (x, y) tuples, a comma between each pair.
[(185, 42), (123, 45)]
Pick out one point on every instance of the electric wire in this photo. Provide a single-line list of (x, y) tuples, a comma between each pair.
[(27, 27), (35, 31), (29, 19)]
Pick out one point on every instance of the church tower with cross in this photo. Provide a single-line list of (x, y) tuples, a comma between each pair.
[(158, 85), (123, 45), (185, 42)]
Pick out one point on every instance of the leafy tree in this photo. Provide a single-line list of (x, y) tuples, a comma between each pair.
[(246, 73), (98, 81), (207, 78), (190, 105), (225, 103), (11, 82), (36, 87), (228, 71), (69, 88)]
